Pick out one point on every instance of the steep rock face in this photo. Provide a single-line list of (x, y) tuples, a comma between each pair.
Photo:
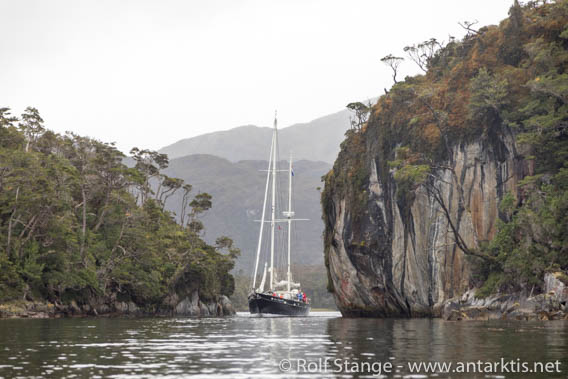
[(387, 257)]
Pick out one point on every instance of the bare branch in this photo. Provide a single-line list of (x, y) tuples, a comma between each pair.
[(467, 25)]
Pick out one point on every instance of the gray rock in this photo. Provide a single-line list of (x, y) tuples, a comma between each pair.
[(121, 307), (203, 310), (133, 308), (227, 306), (387, 258), (212, 308), (188, 306)]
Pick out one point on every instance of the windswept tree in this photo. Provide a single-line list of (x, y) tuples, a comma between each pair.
[(468, 26), (360, 114), (225, 243), (112, 176), (185, 203), (393, 62), (149, 163), (167, 188), (200, 204), (422, 53)]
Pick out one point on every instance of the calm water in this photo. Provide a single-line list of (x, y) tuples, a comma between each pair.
[(255, 347)]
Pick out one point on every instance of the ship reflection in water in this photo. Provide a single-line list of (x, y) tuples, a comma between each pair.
[(246, 346)]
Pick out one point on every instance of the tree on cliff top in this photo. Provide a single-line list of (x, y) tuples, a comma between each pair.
[(361, 114), (393, 62)]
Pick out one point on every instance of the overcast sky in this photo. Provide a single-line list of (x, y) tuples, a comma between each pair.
[(147, 73)]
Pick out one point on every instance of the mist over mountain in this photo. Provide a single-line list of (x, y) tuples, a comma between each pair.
[(317, 140), (238, 190)]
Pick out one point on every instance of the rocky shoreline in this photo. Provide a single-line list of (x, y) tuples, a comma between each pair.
[(189, 306), (551, 305)]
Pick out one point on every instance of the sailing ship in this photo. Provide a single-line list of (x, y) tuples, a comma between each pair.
[(282, 297)]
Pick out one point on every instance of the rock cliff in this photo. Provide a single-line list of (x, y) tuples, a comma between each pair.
[(401, 260), (458, 177)]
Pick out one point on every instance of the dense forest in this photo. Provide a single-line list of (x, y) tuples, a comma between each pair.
[(78, 224), (510, 79)]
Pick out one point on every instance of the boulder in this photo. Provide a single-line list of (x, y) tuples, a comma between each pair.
[(227, 306)]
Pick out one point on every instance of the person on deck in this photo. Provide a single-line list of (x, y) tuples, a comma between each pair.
[(300, 296), (304, 297)]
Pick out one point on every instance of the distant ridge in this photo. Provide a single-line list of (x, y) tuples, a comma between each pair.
[(317, 140), (237, 190)]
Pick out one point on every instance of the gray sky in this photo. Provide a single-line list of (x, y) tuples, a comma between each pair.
[(147, 73)]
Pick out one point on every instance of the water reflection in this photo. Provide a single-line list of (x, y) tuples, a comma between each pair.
[(403, 341), (254, 347)]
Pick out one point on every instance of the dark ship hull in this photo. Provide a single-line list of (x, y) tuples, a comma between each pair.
[(260, 303)]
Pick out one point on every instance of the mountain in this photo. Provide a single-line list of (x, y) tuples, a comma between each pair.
[(253, 143), (238, 190)]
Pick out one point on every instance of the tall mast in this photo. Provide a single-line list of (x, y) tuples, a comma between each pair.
[(263, 214), (273, 219), (289, 214)]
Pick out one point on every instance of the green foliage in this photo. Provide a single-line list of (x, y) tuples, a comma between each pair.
[(488, 96), (408, 177), (11, 283), (491, 285), (531, 242), (71, 228), (511, 52), (361, 114)]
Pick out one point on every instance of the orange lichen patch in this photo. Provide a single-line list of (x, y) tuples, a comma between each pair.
[(477, 212), (432, 133), (492, 214)]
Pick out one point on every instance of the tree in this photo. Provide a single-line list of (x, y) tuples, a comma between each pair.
[(488, 96), (512, 50), (167, 187), (149, 163), (423, 53), (6, 120), (201, 203), (72, 229), (112, 176), (31, 125), (393, 62), (361, 113), (226, 243), (80, 152), (467, 25), (185, 203)]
